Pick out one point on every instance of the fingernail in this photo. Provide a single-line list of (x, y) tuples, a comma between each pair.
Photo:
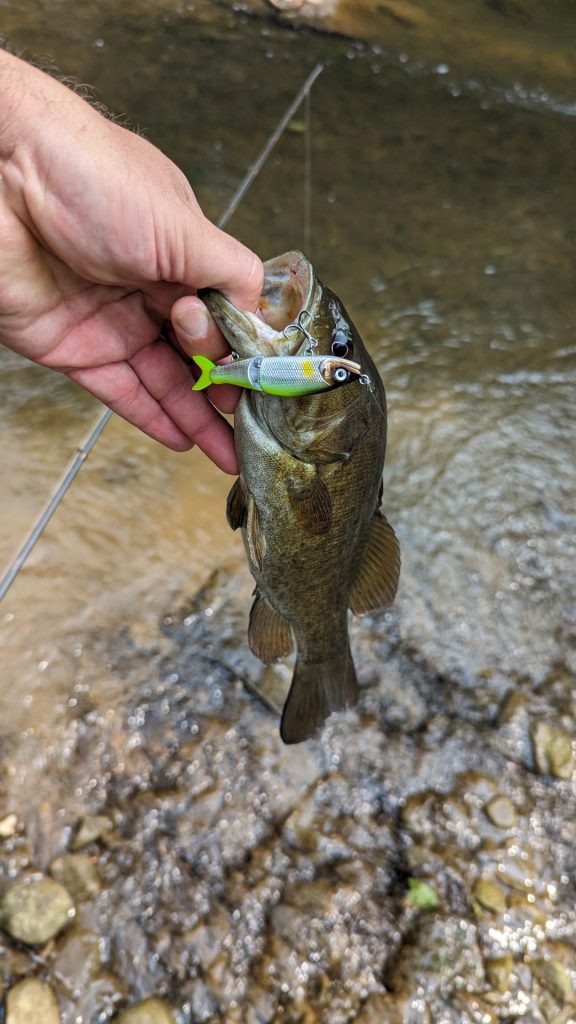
[(195, 323)]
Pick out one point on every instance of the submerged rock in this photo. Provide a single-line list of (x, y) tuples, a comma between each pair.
[(500, 811), (78, 873), (91, 828), (149, 1011), (490, 896), (553, 751), (8, 826), (31, 1001), (34, 911)]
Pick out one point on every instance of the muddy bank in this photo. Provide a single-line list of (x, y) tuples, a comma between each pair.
[(236, 881)]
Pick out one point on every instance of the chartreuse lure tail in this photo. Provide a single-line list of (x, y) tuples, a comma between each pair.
[(288, 376), (205, 378)]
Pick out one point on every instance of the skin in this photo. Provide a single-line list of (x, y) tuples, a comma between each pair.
[(102, 242)]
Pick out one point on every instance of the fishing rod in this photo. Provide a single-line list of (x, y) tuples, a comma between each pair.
[(83, 452)]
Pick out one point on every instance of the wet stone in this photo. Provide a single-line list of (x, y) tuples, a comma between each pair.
[(205, 1006), (490, 896), (518, 871), (554, 977), (553, 751), (149, 1011), (35, 911), (513, 736), (78, 873), (8, 826), (32, 1002), (500, 811), (91, 828), (498, 971)]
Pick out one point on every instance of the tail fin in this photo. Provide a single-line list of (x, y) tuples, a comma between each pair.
[(206, 366), (317, 690)]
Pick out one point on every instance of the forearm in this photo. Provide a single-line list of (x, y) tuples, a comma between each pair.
[(13, 90)]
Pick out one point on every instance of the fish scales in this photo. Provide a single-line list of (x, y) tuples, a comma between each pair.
[(309, 493)]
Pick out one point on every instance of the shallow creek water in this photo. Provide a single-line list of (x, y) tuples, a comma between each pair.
[(445, 218)]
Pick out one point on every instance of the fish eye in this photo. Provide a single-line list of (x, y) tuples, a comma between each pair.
[(341, 375), (340, 343)]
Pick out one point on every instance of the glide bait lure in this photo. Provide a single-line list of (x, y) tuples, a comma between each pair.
[(287, 376)]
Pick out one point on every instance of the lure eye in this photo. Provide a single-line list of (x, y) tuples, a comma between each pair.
[(340, 343), (341, 375)]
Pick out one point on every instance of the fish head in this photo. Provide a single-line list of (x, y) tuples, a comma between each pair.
[(288, 291), (298, 315)]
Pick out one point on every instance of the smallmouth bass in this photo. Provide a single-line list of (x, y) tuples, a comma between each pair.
[(308, 496)]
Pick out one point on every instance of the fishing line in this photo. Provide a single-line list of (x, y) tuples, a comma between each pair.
[(83, 452), (308, 176)]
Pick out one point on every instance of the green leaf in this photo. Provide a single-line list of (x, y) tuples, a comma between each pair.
[(421, 895), (297, 127)]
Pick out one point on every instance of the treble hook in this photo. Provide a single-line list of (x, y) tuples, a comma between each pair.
[(305, 315)]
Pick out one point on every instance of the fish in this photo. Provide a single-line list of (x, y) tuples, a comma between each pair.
[(309, 494), (286, 376)]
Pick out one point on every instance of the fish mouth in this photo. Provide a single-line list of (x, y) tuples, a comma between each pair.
[(289, 292)]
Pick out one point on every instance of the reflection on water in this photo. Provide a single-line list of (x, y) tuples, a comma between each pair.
[(447, 225)]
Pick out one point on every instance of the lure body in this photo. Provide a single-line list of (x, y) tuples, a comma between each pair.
[(287, 376)]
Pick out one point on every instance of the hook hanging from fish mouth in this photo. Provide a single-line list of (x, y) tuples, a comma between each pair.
[(303, 322)]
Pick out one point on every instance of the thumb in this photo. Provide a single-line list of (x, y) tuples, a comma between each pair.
[(222, 262)]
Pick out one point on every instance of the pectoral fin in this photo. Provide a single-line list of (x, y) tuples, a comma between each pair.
[(236, 509), (269, 635), (242, 513), (311, 503), (377, 577), (254, 535)]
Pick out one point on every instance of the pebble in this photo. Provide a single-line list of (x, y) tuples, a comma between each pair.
[(149, 1011), (490, 895), (554, 977), (500, 811), (34, 911), (32, 1002), (498, 971), (91, 828), (78, 873), (518, 870), (8, 826), (552, 751)]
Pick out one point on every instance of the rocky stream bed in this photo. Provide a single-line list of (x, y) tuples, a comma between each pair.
[(416, 863)]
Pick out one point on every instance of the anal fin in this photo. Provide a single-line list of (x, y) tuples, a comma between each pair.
[(376, 581), (269, 635)]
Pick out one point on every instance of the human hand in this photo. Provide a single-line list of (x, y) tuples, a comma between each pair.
[(101, 237)]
